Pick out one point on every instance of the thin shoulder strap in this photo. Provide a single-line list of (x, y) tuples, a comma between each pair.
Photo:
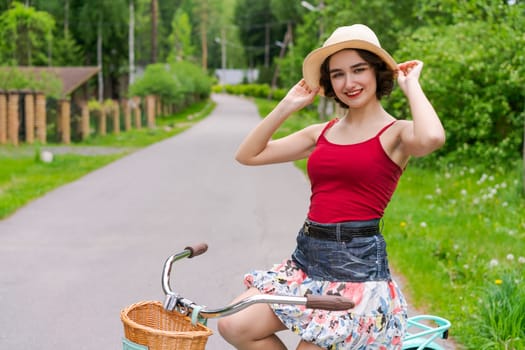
[(329, 125), (384, 129)]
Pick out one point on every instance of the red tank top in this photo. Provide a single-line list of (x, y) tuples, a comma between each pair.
[(350, 182)]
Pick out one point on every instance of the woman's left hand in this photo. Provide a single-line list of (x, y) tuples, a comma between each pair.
[(408, 71)]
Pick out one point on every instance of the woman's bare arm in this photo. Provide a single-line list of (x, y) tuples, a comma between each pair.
[(425, 133), (258, 148)]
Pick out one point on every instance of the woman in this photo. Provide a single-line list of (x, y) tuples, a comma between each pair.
[(354, 164)]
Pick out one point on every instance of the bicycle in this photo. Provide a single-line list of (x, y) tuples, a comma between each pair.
[(179, 323)]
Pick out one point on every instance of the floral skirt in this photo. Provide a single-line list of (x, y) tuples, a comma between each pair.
[(378, 320)]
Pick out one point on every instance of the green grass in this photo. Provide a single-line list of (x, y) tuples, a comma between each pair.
[(457, 235), (453, 232), (23, 177)]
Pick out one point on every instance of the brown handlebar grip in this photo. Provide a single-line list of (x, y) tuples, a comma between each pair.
[(328, 302), (197, 249)]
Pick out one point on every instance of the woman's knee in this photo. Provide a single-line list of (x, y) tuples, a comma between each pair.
[(229, 328), (251, 324)]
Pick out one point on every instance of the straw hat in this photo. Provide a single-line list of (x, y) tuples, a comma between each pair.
[(357, 36)]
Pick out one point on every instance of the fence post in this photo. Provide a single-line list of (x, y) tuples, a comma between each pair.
[(150, 108), (115, 111), (65, 121), (40, 117), (127, 114), (137, 112), (3, 118), (84, 121), (102, 121), (12, 118), (29, 101)]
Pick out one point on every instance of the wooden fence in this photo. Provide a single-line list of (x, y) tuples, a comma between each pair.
[(23, 117)]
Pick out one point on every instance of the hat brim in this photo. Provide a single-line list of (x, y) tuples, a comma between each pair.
[(312, 63)]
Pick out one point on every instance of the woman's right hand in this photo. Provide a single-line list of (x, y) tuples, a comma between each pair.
[(300, 95), (258, 148)]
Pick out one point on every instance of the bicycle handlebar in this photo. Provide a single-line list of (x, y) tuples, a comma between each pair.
[(197, 249), (174, 300)]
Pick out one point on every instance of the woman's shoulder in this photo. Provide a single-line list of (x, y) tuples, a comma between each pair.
[(400, 124), (315, 130), (394, 129)]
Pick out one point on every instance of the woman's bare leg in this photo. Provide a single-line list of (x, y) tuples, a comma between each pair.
[(252, 328)]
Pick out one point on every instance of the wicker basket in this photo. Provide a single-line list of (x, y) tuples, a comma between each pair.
[(148, 323)]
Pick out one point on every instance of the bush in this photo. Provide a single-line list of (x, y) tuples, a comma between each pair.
[(179, 83), (192, 79), (252, 90), (12, 78), (474, 75)]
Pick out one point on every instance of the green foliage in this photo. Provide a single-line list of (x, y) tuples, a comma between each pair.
[(25, 35), (475, 76), (500, 320), (193, 80), (12, 78), (158, 80), (259, 29), (252, 90), (446, 12), (177, 83), (66, 51), (306, 39), (180, 38)]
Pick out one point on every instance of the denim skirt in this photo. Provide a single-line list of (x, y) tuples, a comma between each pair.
[(356, 269), (358, 259)]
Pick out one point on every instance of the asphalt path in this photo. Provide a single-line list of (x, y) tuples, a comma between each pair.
[(71, 260)]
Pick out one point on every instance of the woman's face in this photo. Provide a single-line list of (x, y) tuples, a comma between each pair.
[(352, 78)]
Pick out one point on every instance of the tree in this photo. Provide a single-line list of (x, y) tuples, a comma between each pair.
[(478, 92), (154, 29), (25, 35), (101, 27), (66, 52), (131, 42), (259, 30), (180, 38), (494, 113), (203, 12)]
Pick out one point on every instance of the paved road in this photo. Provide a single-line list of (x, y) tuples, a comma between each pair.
[(73, 259)]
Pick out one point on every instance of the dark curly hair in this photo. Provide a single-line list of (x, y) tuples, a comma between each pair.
[(384, 76)]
